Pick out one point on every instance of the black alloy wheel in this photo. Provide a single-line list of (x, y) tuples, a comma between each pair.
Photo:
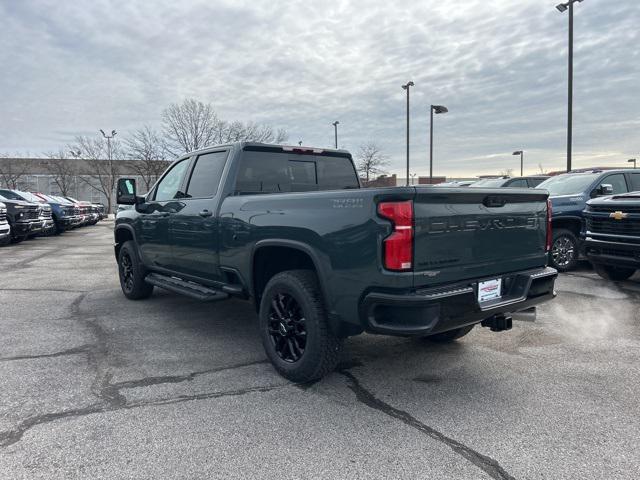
[(126, 269), (287, 327)]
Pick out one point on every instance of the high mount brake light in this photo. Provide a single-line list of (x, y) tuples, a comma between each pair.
[(549, 225), (302, 149), (398, 247)]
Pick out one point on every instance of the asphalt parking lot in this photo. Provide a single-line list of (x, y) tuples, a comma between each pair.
[(95, 386)]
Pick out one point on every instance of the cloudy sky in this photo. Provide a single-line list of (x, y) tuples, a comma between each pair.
[(72, 67)]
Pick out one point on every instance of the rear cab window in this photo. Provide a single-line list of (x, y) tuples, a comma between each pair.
[(276, 170)]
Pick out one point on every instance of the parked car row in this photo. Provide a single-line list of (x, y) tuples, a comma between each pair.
[(27, 214)]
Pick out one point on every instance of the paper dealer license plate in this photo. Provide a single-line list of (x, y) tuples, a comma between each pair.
[(489, 290)]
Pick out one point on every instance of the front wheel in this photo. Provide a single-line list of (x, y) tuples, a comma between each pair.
[(131, 272), (294, 327), (564, 250), (614, 273)]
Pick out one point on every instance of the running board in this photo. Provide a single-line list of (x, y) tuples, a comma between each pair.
[(190, 289)]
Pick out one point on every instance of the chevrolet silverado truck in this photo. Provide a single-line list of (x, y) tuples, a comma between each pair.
[(612, 242), (5, 228), (290, 229), (23, 217), (569, 194)]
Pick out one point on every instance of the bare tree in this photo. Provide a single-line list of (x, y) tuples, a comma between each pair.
[(371, 160), (542, 170), (63, 170), (148, 151), (192, 125), (104, 171), (507, 172), (12, 171)]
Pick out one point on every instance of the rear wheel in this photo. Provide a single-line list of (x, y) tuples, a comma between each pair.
[(131, 272), (614, 273), (294, 327), (451, 335), (564, 250)]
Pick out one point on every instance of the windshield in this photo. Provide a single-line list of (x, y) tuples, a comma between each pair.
[(489, 183), (9, 195), (568, 184), (30, 197)]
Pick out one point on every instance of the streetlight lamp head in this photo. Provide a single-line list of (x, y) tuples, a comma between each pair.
[(336, 123), (562, 7), (519, 152), (631, 160), (113, 133), (439, 109), (102, 132), (409, 84)]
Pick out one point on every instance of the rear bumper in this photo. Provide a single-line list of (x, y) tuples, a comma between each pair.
[(444, 308), (614, 253)]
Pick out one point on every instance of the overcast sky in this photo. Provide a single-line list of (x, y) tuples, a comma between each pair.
[(72, 67)]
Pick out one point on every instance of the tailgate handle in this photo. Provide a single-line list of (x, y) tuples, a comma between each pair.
[(494, 201)]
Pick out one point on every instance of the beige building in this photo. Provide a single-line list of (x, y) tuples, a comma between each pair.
[(88, 180)]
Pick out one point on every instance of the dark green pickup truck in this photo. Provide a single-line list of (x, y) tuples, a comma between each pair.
[(290, 229)]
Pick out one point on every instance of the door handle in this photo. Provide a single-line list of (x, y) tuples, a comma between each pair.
[(205, 213)]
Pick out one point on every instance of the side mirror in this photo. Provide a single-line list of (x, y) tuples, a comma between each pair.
[(126, 191), (606, 189)]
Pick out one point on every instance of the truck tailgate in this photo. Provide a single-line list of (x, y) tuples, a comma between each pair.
[(463, 233)]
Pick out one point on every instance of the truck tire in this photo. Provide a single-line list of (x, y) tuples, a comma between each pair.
[(613, 273), (294, 328), (565, 250), (451, 335), (132, 273)]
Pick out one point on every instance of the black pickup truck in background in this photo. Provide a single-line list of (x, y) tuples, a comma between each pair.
[(612, 241), (23, 217), (290, 229)]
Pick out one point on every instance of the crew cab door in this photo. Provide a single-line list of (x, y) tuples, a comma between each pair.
[(194, 229), (153, 223)]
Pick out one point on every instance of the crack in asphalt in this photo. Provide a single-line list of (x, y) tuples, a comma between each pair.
[(149, 381), (109, 394), (62, 353), (41, 290), (118, 402), (485, 463)]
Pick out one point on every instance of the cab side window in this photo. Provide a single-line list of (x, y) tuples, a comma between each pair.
[(519, 183), (635, 182), (170, 184), (205, 176), (618, 183)]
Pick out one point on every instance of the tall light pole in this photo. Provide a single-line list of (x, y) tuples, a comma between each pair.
[(563, 8), (437, 109), (406, 87), (632, 160), (109, 137), (521, 153), (335, 126)]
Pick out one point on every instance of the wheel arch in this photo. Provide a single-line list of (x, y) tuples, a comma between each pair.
[(269, 257), (121, 234), (574, 224)]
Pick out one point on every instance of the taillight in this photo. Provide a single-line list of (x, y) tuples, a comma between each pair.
[(398, 247), (549, 225)]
